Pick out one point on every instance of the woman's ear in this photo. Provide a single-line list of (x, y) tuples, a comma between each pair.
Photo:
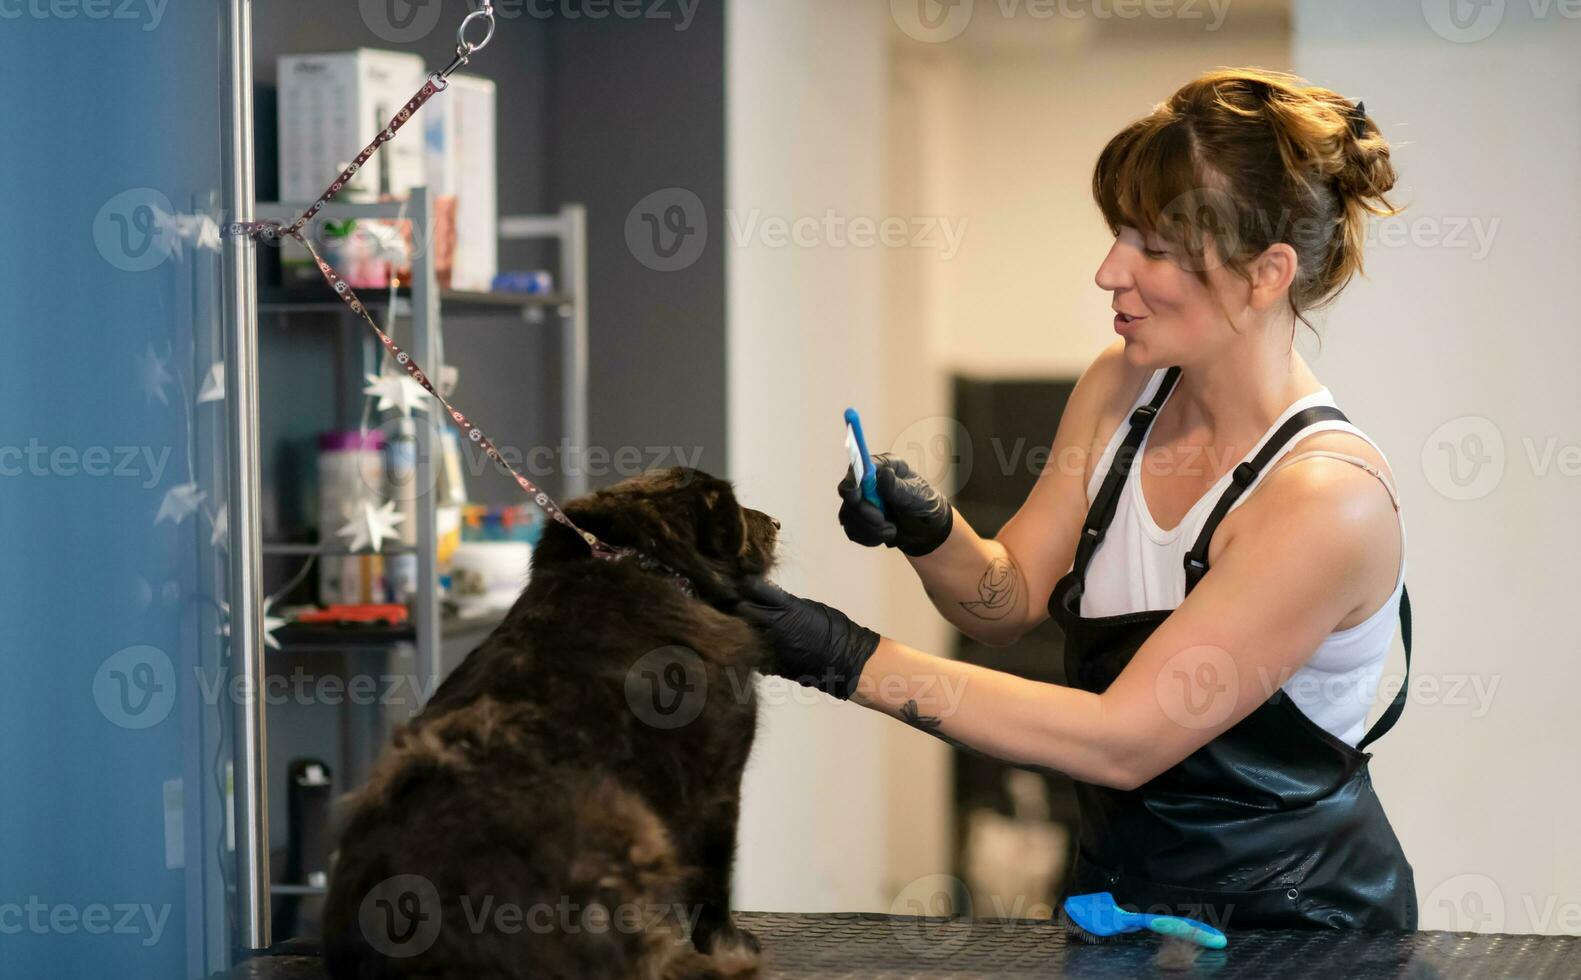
[(1272, 274), (721, 523)]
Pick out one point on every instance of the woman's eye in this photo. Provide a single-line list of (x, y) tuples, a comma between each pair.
[(1154, 253)]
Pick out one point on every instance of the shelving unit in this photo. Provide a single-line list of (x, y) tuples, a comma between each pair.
[(421, 306), (415, 320)]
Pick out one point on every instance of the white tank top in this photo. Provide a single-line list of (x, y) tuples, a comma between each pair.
[(1139, 566)]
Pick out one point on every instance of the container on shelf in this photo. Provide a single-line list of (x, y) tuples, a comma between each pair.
[(350, 475)]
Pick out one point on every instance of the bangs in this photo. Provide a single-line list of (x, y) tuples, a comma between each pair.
[(1146, 178)]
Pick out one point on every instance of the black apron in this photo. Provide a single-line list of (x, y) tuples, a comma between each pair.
[(1274, 823)]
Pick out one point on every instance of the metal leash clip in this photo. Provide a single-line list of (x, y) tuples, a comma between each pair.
[(465, 48)]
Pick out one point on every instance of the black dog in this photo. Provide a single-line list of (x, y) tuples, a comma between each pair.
[(565, 805)]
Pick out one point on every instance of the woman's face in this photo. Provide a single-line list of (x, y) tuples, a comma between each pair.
[(1177, 319)]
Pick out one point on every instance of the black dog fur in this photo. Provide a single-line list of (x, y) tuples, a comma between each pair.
[(538, 778)]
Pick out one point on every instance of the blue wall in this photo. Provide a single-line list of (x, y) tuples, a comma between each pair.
[(109, 614)]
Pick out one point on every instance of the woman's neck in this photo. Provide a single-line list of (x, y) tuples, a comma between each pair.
[(1233, 400)]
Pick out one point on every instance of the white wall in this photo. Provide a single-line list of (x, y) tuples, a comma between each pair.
[(806, 130), (1022, 125), (843, 807), (1439, 339)]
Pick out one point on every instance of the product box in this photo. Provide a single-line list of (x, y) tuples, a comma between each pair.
[(459, 136), (330, 107), (333, 105)]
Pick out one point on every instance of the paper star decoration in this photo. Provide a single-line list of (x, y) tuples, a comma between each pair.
[(151, 374), (397, 391), (213, 389), (270, 623), (179, 503), (199, 229), (372, 526), (222, 527)]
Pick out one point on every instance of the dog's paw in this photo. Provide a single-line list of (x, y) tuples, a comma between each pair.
[(733, 951), (723, 937)]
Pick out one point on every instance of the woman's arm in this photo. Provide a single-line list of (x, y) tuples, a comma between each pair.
[(995, 590), (1255, 618)]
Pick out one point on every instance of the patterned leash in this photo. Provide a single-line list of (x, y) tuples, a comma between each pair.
[(273, 230)]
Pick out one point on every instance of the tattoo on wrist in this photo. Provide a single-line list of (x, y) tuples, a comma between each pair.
[(998, 591), (912, 715)]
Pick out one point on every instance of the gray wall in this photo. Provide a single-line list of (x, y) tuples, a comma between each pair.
[(594, 111)]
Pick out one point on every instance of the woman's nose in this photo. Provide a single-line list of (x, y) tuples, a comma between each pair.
[(1112, 275)]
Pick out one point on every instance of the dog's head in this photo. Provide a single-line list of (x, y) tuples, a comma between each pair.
[(688, 519)]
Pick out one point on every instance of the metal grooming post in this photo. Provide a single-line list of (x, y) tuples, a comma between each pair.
[(240, 299), (425, 348)]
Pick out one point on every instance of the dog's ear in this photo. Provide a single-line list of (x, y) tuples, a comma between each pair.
[(721, 523)]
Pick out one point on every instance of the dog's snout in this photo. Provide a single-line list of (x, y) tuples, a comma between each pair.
[(776, 522)]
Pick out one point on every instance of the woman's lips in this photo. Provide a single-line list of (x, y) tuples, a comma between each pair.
[(1122, 322)]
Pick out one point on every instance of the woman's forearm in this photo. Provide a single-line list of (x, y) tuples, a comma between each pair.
[(976, 585), (1001, 715)]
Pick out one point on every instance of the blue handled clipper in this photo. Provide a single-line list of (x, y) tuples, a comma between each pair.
[(861, 462)]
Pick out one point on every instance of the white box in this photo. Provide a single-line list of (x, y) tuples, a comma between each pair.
[(331, 106), (459, 132)]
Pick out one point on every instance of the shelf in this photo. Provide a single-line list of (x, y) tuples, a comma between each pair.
[(327, 636), (318, 549), (457, 301), (281, 888)]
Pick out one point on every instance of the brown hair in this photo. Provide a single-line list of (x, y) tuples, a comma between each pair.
[(1248, 158)]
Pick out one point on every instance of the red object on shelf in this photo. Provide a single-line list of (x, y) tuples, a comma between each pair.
[(391, 613)]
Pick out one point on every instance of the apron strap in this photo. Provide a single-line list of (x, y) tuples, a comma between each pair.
[(1397, 706), (1107, 500), (1243, 476)]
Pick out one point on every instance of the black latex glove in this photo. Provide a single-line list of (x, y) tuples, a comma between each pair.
[(814, 644), (919, 516)]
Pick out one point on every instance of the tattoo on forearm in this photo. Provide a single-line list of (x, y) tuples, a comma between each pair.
[(911, 715), (998, 591)]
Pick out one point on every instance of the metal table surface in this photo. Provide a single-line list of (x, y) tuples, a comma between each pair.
[(890, 947)]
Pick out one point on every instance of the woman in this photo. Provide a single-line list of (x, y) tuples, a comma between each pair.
[(1214, 721)]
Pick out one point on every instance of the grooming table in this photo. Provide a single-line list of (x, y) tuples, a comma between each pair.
[(872, 945)]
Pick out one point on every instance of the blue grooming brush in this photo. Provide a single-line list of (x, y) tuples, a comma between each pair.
[(861, 462), (1096, 917)]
